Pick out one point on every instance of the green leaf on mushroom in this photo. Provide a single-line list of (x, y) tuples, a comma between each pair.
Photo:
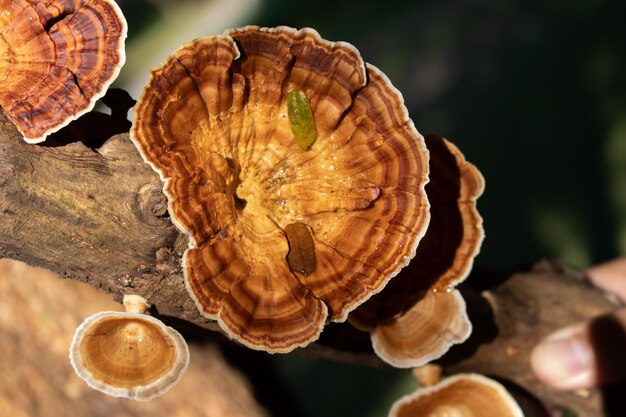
[(301, 119)]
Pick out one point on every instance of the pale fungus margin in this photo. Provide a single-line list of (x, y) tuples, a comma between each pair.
[(461, 395), (128, 354)]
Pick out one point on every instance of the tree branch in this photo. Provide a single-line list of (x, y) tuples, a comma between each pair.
[(94, 216), (512, 317), (99, 217)]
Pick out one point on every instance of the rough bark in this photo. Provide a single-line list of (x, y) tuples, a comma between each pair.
[(98, 216), (512, 317), (94, 216)]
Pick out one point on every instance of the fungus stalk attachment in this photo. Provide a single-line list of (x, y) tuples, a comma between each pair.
[(134, 303), (129, 354)]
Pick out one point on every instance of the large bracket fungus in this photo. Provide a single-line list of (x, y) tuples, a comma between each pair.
[(214, 123), (420, 315), (57, 58)]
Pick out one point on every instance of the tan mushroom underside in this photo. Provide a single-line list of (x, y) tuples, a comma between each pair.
[(56, 59), (213, 122), (463, 395), (128, 355)]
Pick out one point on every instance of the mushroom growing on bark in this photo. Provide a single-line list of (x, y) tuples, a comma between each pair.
[(57, 58), (420, 315), (296, 172), (462, 395), (128, 354)]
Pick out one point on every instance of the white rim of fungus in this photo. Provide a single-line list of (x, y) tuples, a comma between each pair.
[(445, 344), (462, 162), (142, 392), (478, 379)]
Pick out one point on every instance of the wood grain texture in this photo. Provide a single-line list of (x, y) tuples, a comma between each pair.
[(97, 217)]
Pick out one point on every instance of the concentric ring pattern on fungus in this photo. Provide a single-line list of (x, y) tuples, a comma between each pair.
[(420, 315), (57, 58), (213, 122)]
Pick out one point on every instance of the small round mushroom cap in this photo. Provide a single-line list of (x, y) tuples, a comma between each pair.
[(463, 395), (418, 316), (425, 332), (56, 59), (128, 355), (283, 235)]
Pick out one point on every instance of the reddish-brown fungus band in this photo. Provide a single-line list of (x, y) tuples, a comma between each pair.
[(214, 123), (57, 58)]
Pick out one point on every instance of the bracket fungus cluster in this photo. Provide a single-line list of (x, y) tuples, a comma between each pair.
[(283, 239), (419, 314), (462, 395), (56, 59), (128, 354)]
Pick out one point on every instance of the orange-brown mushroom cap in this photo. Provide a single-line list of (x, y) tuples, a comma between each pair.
[(128, 355), (424, 332), (418, 316), (56, 59), (213, 122), (463, 395)]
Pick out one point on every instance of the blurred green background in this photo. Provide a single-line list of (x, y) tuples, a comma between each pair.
[(533, 92)]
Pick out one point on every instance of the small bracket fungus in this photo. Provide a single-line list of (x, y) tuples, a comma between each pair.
[(419, 315), (56, 59), (463, 395), (128, 354), (217, 122), (424, 332)]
